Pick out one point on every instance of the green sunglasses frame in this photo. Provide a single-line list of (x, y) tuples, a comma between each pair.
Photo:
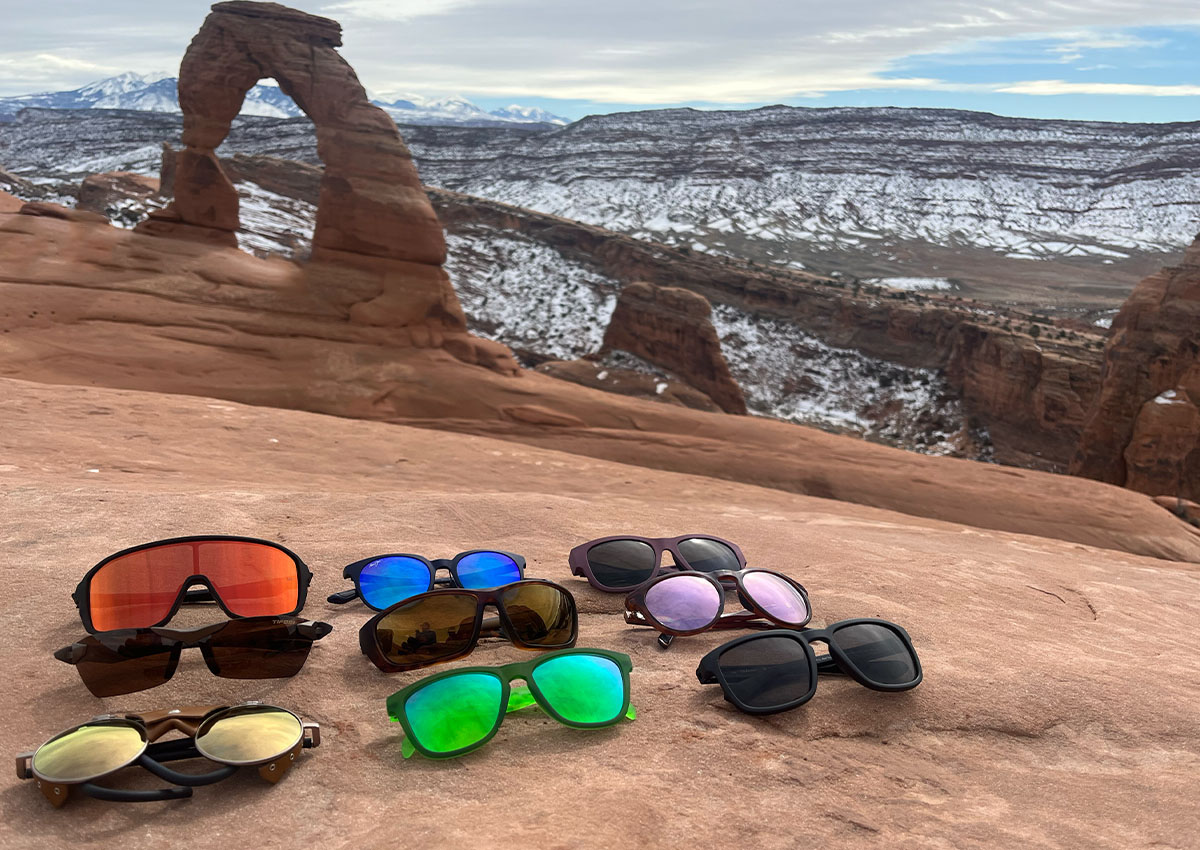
[(511, 699)]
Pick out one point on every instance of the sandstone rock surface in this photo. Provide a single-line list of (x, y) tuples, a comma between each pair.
[(1058, 708), (103, 306), (672, 328), (100, 192), (1144, 429), (372, 212)]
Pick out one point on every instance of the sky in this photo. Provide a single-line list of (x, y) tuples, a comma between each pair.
[(1103, 60)]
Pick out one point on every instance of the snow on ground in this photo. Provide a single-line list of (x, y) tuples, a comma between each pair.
[(789, 374), (529, 296), (912, 283)]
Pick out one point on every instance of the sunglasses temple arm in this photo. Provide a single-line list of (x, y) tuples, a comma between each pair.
[(343, 596), (164, 772), (121, 795), (826, 666)]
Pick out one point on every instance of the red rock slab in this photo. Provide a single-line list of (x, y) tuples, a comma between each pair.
[(1058, 708), (103, 306)]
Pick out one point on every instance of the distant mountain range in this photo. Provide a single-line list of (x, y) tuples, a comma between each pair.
[(157, 93)]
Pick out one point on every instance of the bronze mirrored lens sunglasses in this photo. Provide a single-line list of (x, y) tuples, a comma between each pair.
[(250, 734), (442, 625)]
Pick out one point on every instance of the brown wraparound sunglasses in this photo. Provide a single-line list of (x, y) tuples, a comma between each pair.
[(442, 625)]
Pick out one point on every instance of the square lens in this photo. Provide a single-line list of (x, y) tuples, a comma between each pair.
[(877, 652), (768, 672), (123, 662), (393, 578), (540, 614), (455, 712), (621, 563), (481, 570), (582, 688), (423, 631), (708, 555)]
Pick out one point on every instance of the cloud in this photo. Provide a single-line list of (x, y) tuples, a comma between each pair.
[(620, 51), (1050, 87), (394, 10)]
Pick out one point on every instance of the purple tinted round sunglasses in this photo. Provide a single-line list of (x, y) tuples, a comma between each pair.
[(687, 603), (626, 562)]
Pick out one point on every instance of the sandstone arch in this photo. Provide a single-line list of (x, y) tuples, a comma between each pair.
[(372, 212)]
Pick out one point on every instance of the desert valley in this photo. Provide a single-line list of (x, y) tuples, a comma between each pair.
[(943, 368)]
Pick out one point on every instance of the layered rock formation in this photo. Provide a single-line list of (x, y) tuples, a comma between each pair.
[(1144, 430), (672, 328), (372, 213), (101, 193), (378, 247), (86, 303)]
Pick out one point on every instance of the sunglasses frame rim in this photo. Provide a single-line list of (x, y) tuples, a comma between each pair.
[(82, 594), (507, 673), (353, 571), (369, 644), (708, 671), (175, 650), (578, 560), (635, 602)]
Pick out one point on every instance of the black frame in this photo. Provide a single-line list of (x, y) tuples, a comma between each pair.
[(708, 672), (205, 593), (353, 571)]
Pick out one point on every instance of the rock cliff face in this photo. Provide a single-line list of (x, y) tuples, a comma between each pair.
[(372, 215), (672, 328), (1144, 430), (928, 371)]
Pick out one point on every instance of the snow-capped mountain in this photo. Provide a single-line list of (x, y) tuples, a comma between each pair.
[(157, 93)]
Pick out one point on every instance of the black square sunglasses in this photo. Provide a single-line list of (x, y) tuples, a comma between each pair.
[(777, 670)]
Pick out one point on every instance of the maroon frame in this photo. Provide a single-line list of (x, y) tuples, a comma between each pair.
[(637, 614), (580, 567)]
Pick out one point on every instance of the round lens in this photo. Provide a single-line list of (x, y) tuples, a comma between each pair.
[(621, 563), (768, 672), (684, 602), (540, 614), (432, 628), (249, 734), (386, 581), (455, 712), (487, 569), (707, 555), (878, 652), (89, 751), (582, 688), (777, 597)]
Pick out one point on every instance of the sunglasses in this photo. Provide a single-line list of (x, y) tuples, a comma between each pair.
[(775, 671), (452, 713), (625, 563), (130, 660), (247, 735), (144, 586), (687, 603), (446, 624), (384, 580)]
